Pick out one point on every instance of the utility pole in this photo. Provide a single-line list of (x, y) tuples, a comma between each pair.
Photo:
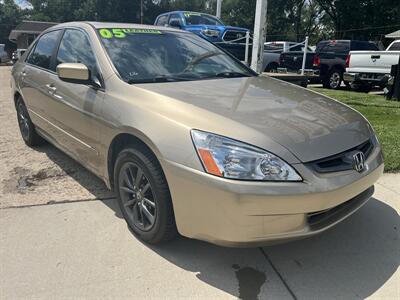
[(260, 28), (219, 6), (141, 11)]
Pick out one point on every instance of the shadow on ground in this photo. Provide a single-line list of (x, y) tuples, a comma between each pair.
[(352, 260), (77, 172)]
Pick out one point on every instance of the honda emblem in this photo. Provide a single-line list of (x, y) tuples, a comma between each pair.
[(359, 161)]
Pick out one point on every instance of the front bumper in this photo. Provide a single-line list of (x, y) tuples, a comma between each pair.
[(372, 78), (240, 213)]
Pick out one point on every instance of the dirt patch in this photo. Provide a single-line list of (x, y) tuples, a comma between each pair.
[(22, 179)]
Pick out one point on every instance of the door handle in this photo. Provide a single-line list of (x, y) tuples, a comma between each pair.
[(375, 56), (23, 74), (51, 88)]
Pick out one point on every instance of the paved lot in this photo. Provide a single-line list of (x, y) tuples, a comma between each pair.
[(61, 236)]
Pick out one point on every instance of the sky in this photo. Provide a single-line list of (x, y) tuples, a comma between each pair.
[(23, 3)]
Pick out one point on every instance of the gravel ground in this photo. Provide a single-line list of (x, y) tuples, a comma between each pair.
[(41, 175)]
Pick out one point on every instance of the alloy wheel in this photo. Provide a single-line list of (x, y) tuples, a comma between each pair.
[(137, 196), (334, 80)]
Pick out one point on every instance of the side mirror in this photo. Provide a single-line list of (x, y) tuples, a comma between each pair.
[(175, 23), (74, 72)]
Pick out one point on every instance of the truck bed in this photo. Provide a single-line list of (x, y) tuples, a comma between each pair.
[(377, 62), (293, 60)]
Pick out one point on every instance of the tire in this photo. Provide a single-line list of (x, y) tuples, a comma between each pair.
[(333, 80), (271, 67), (26, 127), (145, 204)]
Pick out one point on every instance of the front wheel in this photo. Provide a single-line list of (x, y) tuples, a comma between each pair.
[(143, 195)]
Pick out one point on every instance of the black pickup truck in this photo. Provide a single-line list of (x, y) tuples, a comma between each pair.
[(332, 59), (293, 61)]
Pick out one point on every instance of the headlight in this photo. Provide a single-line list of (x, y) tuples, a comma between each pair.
[(211, 33), (228, 158)]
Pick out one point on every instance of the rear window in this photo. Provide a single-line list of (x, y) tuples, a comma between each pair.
[(395, 47), (41, 55), (273, 47), (360, 45), (162, 20), (333, 46)]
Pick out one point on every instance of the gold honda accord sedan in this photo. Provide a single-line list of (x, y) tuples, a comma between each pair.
[(190, 139)]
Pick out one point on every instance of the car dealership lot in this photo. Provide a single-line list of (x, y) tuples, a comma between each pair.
[(61, 235)]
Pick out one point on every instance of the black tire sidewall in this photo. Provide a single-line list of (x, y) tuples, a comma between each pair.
[(161, 197), (21, 105)]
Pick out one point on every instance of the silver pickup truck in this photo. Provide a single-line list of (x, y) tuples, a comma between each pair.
[(371, 68)]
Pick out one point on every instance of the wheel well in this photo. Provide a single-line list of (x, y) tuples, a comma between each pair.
[(119, 143), (337, 67), (272, 65), (16, 96)]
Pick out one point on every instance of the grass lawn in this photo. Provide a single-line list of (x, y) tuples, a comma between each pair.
[(384, 116)]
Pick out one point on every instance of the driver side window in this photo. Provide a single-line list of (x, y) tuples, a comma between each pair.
[(75, 48)]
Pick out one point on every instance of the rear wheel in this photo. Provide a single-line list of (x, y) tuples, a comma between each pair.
[(143, 195), (26, 127), (333, 80)]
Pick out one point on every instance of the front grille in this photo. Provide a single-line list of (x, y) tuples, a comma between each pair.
[(323, 218), (231, 35), (342, 161)]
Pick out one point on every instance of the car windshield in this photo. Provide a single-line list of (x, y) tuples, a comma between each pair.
[(201, 19), (147, 55)]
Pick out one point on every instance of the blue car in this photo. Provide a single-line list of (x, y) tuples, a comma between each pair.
[(230, 38)]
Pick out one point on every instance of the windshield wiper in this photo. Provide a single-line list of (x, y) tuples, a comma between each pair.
[(232, 74), (199, 58), (157, 79)]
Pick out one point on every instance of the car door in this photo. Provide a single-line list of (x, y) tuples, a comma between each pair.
[(78, 106), (34, 81)]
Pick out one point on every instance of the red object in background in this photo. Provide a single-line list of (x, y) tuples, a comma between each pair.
[(316, 61), (347, 64)]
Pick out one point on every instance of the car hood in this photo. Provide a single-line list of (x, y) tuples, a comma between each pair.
[(309, 125)]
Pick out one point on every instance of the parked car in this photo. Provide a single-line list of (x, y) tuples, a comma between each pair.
[(3, 54), (190, 139), (369, 68), (273, 50), (230, 38), (17, 55), (293, 61), (331, 58)]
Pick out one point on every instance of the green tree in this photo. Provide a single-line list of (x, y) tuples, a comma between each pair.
[(10, 15)]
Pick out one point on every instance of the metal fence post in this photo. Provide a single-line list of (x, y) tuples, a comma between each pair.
[(246, 51), (396, 93), (304, 56)]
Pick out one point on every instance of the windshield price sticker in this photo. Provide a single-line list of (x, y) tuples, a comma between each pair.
[(121, 33), (188, 14)]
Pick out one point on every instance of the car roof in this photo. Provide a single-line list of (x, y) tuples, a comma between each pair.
[(98, 25), (186, 11)]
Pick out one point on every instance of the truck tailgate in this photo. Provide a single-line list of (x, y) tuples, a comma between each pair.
[(372, 61)]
